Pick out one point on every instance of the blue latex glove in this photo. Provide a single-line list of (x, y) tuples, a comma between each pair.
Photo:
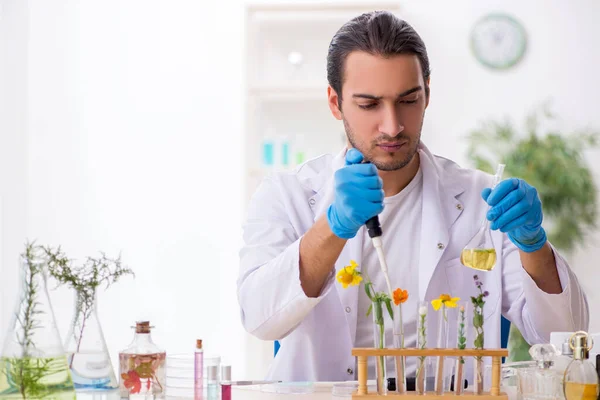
[(358, 196), (517, 210)]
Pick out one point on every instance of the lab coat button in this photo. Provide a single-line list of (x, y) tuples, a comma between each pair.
[(348, 309), (350, 371), (459, 207), (312, 202), (440, 246)]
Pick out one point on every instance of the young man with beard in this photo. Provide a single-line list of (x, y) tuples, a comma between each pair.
[(304, 226)]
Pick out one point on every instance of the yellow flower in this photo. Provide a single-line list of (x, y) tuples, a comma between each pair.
[(445, 300), (349, 276), (400, 296)]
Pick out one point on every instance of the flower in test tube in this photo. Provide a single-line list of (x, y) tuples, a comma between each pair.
[(423, 310), (132, 381), (445, 300), (349, 276), (400, 296)]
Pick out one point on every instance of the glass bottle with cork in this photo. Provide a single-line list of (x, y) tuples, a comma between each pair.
[(581, 379), (198, 371), (142, 366)]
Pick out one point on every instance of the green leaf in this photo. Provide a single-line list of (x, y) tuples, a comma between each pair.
[(388, 304), (368, 290), (477, 320), (478, 342), (369, 309)]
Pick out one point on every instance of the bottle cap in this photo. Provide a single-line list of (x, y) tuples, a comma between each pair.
[(581, 344), (143, 327), (226, 373), (213, 373), (543, 354), (199, 343)]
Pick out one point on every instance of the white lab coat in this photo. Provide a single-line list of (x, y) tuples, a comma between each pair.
[(317, 334)]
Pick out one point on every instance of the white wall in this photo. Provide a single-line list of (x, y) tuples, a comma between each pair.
[(134, 115), (134, 127), (13, 154)]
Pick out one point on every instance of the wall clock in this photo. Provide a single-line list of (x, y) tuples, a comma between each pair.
[(498, 41)]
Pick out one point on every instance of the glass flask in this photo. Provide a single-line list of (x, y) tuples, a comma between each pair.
[(88, 355), (480, 253), (33, 364)]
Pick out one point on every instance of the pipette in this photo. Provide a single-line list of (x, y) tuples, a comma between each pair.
[(375, 232)]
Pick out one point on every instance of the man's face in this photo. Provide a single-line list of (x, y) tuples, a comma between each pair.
[(383, 105)]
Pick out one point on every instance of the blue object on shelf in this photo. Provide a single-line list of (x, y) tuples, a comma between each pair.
[(277, 346)]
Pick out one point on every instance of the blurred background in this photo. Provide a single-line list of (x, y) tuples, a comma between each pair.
[(141, 128)]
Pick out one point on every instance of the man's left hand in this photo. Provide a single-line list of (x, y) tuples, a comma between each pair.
[(517, 210)]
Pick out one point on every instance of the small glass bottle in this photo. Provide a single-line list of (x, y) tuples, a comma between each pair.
[(198, 371), (540, 381), (581, 380), (142, 365), (213, 382), (226, 382)]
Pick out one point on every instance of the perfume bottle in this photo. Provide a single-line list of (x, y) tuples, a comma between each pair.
[(580, 379), (198, 371), (226, 382), (213, 383), (540, 381), (142, 366)]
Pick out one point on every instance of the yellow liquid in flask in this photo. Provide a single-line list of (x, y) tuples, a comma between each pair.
[(479, 259)]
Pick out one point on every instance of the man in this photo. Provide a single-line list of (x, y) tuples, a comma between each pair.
[(304, 226)]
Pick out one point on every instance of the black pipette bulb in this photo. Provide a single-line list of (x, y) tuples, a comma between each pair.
[(373, 227)]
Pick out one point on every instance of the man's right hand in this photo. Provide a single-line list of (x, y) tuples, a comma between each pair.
[(358, 196)]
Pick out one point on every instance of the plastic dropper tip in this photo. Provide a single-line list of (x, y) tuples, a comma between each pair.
[(500, 170)]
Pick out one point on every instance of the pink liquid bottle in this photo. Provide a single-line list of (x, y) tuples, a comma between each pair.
[(226, 382), (198, 371)]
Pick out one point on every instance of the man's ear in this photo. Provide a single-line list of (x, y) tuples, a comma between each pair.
[(333, 100)]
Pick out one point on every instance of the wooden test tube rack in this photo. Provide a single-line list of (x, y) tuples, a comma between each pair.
[(362, 355)]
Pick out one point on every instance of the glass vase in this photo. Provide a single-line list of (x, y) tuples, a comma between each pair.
[(88, 356), (379, 343), (33, 364), (421, 373), (142, 366), (399, 361)]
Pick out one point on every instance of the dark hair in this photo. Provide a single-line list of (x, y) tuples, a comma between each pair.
[(378, 33)]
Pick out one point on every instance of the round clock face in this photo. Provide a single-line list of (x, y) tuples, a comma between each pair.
[(498, 41)]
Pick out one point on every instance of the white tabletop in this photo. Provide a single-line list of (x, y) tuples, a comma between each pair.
[(312, 391)]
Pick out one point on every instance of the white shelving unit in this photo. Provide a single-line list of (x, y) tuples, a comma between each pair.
[(286, 96), (286, 82)]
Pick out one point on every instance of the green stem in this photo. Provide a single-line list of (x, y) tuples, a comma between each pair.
[(381, 340)]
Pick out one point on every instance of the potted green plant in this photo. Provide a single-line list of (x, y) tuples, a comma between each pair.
[(553, 162)]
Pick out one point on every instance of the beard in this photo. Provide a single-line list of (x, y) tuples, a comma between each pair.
[(398, 161)]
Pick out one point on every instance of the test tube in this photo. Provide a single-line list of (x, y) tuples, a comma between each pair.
[(213, 383)]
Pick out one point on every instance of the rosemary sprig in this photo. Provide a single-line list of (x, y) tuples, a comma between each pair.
[(84, 279)]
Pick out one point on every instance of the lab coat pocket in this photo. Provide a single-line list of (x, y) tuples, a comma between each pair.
[(461, 281)]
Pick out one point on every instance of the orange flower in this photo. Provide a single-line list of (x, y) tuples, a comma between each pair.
[(400, 296)]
